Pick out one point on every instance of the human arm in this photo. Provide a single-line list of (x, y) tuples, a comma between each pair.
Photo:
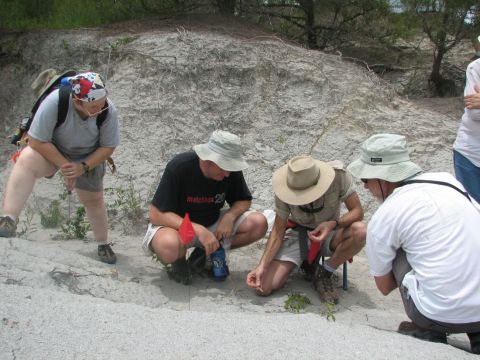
[(355, 213), (171, 220), (386, 283), (471, 92), (274, 242), (225, 225), (472, 101)]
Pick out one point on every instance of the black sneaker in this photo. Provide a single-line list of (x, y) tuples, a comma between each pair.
[(411, 329), (106, 254), (197, 260), (180, 272), (474, 342)]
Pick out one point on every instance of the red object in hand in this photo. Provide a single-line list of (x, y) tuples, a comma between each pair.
[(186, 230), (312, 253)]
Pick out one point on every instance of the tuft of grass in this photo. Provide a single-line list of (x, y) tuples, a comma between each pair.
[(53, 216), (296, 302), (77, 227), (330, 311)]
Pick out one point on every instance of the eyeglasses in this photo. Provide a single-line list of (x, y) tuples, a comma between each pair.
[(309, 209), (98, 112)]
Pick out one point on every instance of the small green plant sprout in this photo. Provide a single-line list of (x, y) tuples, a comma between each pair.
[(329, 312), (296, 302), (126, 208), (27, 227), (77, 227), (52, 217)]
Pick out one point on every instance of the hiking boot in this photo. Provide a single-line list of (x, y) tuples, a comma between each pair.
[(323, 284), (180, 272), (197, 260), (8, 226), (106, 254), (411, 329), (474, 342)]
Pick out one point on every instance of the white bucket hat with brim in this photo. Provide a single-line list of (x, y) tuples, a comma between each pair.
[(384, 157), (224, 149), (46, 79), (302, 180)]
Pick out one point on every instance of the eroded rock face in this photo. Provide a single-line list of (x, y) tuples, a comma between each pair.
[(173, 87)]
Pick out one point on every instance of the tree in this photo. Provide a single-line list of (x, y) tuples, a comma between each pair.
[(446, 23)]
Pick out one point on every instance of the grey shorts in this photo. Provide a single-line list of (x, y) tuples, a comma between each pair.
[(290, 250), (152, 230), (92, 180)]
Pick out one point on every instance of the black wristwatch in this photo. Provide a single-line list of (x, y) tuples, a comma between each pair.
[(86, 168)]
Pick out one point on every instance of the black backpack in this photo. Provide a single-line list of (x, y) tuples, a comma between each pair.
[(19, 138)]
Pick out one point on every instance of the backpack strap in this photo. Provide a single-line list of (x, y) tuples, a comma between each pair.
[(464, 193), (63, 104), (102, 116)]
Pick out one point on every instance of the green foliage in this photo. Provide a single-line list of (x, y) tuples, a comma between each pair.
[(26, 225), (53, 216), (77, 227), (33, 14), (329, 312), (296, 302), (126, 208)]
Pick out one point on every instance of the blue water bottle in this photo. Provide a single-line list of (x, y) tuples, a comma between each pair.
[(219, 264)]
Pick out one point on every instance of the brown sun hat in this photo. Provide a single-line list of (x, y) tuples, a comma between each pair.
[(46, 79), (302, 180)]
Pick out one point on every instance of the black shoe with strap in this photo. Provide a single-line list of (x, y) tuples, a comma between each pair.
[(411, 329), (179, 271)]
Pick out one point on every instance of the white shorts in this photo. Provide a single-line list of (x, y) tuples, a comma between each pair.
[(290, 250), (152, 230)]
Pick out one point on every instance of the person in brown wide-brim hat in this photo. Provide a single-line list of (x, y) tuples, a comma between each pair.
[(308, 225)]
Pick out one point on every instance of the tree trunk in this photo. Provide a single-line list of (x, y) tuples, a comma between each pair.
[(226, 7), (309, 10)]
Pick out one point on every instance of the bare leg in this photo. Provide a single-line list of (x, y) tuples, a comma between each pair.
[(96, 213), (167, 245), (250, 230), (29, 167), (276, 276), (347, 243)]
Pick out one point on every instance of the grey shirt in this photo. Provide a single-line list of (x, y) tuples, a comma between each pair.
[(76, 138)]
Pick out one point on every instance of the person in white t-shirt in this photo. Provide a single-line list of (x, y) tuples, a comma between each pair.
[(423, 239)]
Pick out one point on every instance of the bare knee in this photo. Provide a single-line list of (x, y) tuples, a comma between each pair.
[(256, 225), (166, 245), (35, 163), (91, 199), (359, 233)]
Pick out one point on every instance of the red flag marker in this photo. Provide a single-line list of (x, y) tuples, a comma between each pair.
[(312, 253), (186, 230)]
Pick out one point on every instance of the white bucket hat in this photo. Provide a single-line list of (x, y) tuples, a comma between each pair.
[(384, 157), (224, 149), (302, 180)]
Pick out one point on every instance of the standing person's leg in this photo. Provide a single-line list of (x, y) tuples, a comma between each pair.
[(89, 189), (468, 174), (29, 167)]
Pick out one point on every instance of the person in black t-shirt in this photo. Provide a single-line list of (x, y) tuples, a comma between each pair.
[(199, 183)]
